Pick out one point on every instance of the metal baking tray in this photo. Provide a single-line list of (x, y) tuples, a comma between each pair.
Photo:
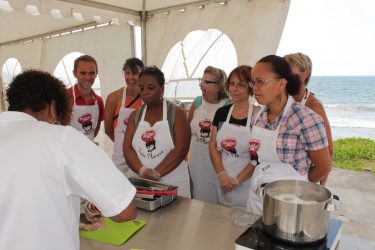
[(151, 202)]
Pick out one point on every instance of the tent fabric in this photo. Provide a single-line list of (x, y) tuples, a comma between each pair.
[(110, 46), (180, 41), (253, 26), (187, 59)]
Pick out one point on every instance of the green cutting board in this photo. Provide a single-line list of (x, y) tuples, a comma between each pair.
[(114, 233)]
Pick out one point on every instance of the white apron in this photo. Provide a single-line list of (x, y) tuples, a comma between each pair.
[(152, 144), (233, 143), (270, 168), (202, 171), (85, 117), (119, 133)]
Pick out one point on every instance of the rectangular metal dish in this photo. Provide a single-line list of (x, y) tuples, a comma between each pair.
[(151, 202)]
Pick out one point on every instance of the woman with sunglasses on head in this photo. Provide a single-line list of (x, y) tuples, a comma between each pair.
[(118, 107), (302, 66), (157, 136), (200, 118), (229, 142), (291, 138)]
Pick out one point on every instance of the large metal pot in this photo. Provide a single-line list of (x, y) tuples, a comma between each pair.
[(297, 211)]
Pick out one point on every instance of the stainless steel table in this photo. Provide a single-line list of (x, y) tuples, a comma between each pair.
[(184, 224)]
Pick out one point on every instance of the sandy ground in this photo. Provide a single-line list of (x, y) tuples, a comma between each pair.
[(357, 194)]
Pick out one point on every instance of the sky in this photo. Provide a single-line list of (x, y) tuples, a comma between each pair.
[(338, 35)]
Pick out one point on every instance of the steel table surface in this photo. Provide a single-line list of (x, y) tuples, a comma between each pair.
[(183, 224)]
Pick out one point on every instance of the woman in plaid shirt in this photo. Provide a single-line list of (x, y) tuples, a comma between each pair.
[(291, 138)]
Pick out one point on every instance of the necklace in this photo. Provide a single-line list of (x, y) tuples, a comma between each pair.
[(306, 94)]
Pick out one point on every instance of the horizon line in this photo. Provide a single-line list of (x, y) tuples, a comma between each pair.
[(342, 75)]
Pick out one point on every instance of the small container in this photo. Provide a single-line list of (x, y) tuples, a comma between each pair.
[(151, 202)]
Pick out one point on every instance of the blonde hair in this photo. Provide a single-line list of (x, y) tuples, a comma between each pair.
[(301, 61), (220, 77)]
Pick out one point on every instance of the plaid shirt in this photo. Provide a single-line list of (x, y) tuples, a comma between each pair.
[(301, 130)]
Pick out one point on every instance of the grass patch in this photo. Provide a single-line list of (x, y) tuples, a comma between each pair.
[(354, 154)]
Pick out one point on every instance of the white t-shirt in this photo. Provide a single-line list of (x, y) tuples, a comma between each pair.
[(45, 169)]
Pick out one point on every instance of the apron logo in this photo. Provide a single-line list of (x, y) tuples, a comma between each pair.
[(86, 122), (148, 138), (229, 145), (205, 126), (254, 145), (126, 121)]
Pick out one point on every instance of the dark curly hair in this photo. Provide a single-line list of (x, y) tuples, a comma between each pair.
[(281, 67), (155, 72), (35, 89)]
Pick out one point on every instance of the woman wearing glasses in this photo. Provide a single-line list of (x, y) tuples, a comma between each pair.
[(200, 117), (229, 142), (301, 65), (154, 147), (291, 137)]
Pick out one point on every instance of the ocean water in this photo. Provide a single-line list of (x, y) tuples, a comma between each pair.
[(349, 103)]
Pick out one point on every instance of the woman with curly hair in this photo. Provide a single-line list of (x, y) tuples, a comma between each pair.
[(33, 90), (45, 168)]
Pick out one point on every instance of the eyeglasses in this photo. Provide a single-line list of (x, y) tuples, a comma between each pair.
[(201, 80), (239, 85), (261, 82)]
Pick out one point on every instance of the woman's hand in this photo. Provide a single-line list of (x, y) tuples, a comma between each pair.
[(149, 173), (227, 183)]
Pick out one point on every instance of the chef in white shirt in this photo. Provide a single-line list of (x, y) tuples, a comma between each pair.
[(47, 167)]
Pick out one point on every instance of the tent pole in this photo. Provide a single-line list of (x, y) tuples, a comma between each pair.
[(143, 32), (132, 41), (2, 96)]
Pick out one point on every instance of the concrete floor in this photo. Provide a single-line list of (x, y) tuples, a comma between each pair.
[(357, 193)]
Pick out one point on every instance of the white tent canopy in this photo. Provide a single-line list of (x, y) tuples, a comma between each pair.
[(39, 33)]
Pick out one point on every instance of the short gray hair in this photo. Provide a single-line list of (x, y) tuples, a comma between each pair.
[(220, 77)]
